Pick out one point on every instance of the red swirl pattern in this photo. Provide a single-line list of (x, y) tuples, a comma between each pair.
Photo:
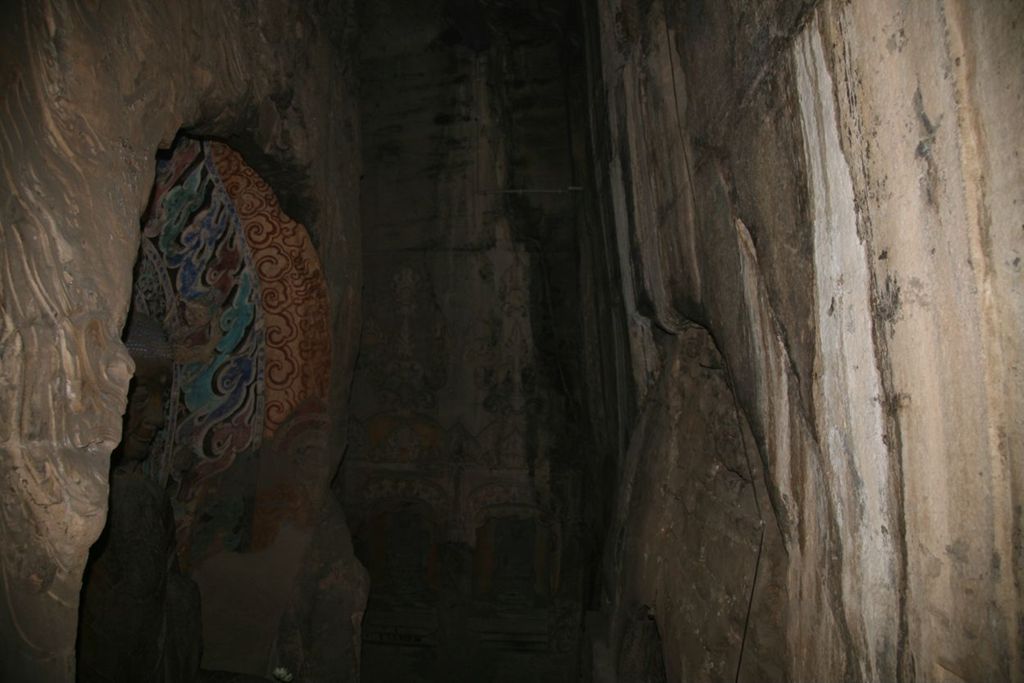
[(293, 293)]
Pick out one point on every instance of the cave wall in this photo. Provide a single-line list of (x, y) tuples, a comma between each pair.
[(692, 548), (834, 191), (463, 476), (91, 91)]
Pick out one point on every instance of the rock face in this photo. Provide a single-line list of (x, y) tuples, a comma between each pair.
[(320, 634), (695, 568), (828, 188)]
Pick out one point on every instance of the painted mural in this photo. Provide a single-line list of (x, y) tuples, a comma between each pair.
[(239, 290), (292, 292)]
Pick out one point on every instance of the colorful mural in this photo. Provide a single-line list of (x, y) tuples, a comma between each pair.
[(292, 291), (196, 276), (239, 290)]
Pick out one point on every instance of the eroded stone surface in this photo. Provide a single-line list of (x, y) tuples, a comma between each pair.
[(831, 220)]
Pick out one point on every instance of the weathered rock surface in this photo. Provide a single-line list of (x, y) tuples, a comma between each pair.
[(834, 191), (693, 546), (319, 637), (297, 604)]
